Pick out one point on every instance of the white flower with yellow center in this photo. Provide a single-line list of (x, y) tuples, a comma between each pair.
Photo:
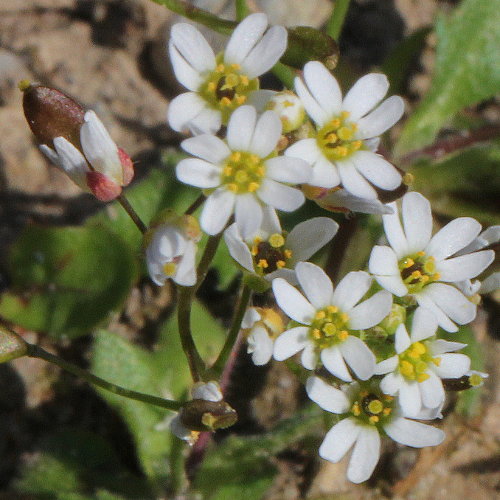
[(420, 363), (171, 250), (271, 253), (367, 413), (261, 326), (426, 266), (242, 173), (347, 130), (329, 321), (220, 84)]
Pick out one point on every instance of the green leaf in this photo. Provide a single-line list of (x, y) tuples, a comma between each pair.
[(120, 362), (66, 281), (467, 70)]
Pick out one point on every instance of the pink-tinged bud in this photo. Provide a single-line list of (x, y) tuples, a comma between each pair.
[(102, 187), (128, 167)]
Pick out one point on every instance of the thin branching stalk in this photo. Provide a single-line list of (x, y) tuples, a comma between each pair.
[(336, 22), (132, 213), (241, 10)]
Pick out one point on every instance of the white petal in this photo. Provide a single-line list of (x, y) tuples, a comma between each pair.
[(393, 284), (417, 221), (260, 345), (324, 173), (488, 237), (250, 317), (381, 118), (394, 232), (326, 396), (402, 340), (290, 342), (192, 46), (452, 302), (306, 238), (453, 365), (199, 173), (339, 440), (323, 87), (307, 149), (266, 53), (270, 221), (244, 38), (259, 99), (313, 109), (453, 237), (365, 455), (342, 198), (241, 127), (216, 211), (442, 319), (386, 366), (490, 284), (238, 249), (432, 391), (266, 134), (207, 147), (100, 150), (286, 274), (358, 356), (185, 274), (391, 383), (424, 325), (280, 196), (209, 391), (309, 357), (365, 94), (183, 109), (409, 397), (377, 170), (370, 312), (353, 181), (441, 346), (383, 261), (333, 361), (248, 215), (464, 267), (184, 72), (207, 121), (288, 169), (351, 289), (316, 284), (413, 434), (71, 160), (292, 302)]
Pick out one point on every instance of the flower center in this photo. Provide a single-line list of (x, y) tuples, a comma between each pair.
[(243, 172), (413, 362), (329, 327), (170, 268), (336, 138), (417, 271), (271, 254), (371, 408), (227, 87)]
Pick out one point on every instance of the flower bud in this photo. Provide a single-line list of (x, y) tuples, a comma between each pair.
[(289, 108), (391, 322), (12, 346), (171, 245), (76, 141), (471, 379)]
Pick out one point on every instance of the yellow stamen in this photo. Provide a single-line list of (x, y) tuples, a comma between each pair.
[(421, 377), (252, 187), (373, 419), (288, 254), (220, 68), (276, 240), (263, 264), (280, 264), (332, 309), (320, 315), (170, 268), (232, 187), (225, 101)]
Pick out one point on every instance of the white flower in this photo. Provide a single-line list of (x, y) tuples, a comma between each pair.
[(262, 326), (340, 200), (242, 174), (272, 253), (342, 152), (220, 84), (416, 371), (422, 266), (100, 168), (209, 391), (289, 108), (328, 320), (490, 284), (368, 413), (171, 250)]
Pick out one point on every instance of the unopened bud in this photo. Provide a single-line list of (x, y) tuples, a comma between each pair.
[(12, 346), (201, 415), (471, 379), (289, 108), (391, 322)]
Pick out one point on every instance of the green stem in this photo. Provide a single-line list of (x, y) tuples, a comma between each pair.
[(35, 351), (132, 213), (194, 206), (206, 258), (285, 74), (199, 15), (334, 26), (217, 368), (241, 10)]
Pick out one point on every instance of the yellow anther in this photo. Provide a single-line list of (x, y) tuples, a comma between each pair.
[(436, 277), (225, 101), (356, 410), (263, 264), (373, 419), (254, 250), (261, 171), (375, 406), (408, 179), (228, 170), (424, 278), (332, 309), (170, 268), (280, 264), (341, 151), (241, 176), (408, 263), (436, 361), (232, 187), (320, 315), (416, 350), (316, 333), (288, 254), (345, 133), (407, 369), (421, 377), (211, 86), (355, 145), (386, 411), (287, 104), (332, 138), (236, 156), (421, 253), (344, 317), (254, 159), (415, 275), (386, 397), (244, 80), (335, 124), (329, 329), (354, 127), (342, 335), (240, 99), (235, 66), (475, 380), (276, 240), (220, 68), (344, 115), (252, 187), (230, 82)]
